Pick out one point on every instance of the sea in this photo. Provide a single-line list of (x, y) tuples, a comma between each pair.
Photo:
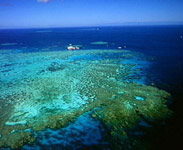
[(110, 62)]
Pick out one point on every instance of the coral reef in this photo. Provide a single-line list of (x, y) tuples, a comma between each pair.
[(125, 112), (52, 89), (99, 43)]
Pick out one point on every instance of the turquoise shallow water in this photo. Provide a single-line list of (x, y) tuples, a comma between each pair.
[(46, 99)]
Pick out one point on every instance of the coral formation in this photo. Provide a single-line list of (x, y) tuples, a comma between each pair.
[(52, 89), (99, 43)]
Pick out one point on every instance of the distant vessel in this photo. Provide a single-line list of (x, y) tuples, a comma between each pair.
[(120, 47), (73, 47)]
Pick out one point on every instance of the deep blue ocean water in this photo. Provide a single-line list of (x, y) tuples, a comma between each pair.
[(163, 43)]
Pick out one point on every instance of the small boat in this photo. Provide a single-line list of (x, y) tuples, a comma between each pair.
[(73, 47), (120, 47)]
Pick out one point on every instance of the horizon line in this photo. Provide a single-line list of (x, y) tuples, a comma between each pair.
[(104, 25)]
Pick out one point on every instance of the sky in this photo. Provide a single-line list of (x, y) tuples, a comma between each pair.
[(70, 13)]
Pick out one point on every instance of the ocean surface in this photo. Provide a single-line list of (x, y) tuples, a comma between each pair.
[(110, 94)]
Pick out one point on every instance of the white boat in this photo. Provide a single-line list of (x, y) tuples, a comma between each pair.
[(72, 47)]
